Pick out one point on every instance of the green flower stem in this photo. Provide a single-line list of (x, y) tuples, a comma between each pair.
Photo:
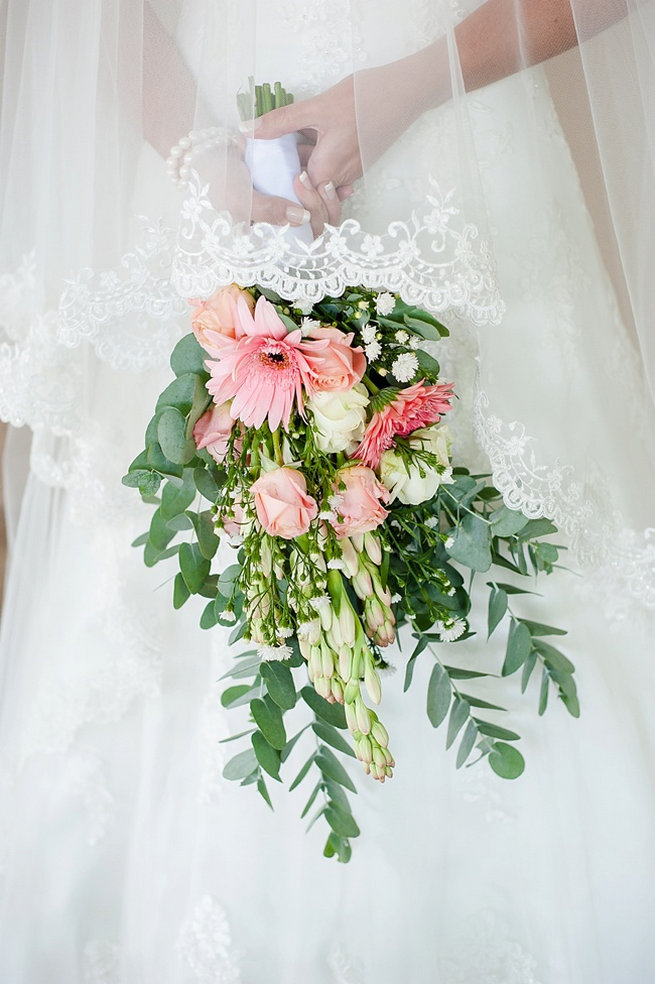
[(371, 387), (277, 449), (473, 512)]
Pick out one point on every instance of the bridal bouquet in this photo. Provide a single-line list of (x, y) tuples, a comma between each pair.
[(313, 442)]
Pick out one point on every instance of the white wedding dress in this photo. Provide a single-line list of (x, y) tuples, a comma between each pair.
[(126, 857)]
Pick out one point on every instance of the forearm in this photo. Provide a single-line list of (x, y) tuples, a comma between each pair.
[(502, 37), (169, 90)]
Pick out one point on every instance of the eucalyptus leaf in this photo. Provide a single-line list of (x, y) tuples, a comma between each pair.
[(332, 737), (208, 618), (263, 791), (160, 463), (555, 659), (203, 524), (202, 401), (175, 500), (279, 683), (506, 761), (194, 566), (439, 695), (540, 629), (312, 797), (268, 718), (519, 644), (332, 767), (205, 483), (494, 731), (228, 579), (535, 528), (543, 692), (471, 544), (458, 715), (188, 356), (528, 668), (457, 673), (332, 713), (152, 556), (336, 795), (303, 772), (427, 362), (505, 521), (241, 765), (239, 699), (510, 589), (341, 823), (229, 696), (179, 394), (290, 745), (466, 744), (571, 703), (160, 534), (497, 609), (267, 756), (171, 432)]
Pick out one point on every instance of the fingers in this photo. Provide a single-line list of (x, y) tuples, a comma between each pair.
[(277, 211), (323, 202), (286, 119), (330, 196), (317, 205)]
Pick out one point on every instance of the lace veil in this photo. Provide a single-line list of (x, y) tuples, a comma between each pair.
[(518, 207), (520, 210)]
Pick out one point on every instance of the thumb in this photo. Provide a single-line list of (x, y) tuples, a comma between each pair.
[(286, 119)]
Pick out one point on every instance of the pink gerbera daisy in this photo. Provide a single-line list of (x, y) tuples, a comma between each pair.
[(262, 369), (412, 408)]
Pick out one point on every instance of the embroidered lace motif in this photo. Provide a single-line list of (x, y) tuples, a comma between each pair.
[(68, 698), (345, 968), (490, 955), (205, 944), (435, 259), (90, 786), (100, 963)]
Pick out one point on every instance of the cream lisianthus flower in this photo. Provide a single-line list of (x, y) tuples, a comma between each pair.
[(419, 481), (339, 418)]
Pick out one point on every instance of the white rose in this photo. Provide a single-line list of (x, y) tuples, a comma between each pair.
[(339, 418), (421, 481)]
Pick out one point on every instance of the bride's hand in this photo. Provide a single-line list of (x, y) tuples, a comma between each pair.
[(246, 204), (352, 120)]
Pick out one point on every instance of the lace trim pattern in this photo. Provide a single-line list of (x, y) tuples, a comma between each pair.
[(599, 540), (205, 944), (435, 259), (131, 316)]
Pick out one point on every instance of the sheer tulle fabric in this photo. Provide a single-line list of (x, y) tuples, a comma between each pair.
[(127, 857)]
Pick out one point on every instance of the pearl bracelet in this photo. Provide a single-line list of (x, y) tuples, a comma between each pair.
[(178, 162)]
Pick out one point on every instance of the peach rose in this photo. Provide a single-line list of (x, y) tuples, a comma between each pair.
[(216, 314), (359, 509), (213, 429), (283, 506), (336, 365)]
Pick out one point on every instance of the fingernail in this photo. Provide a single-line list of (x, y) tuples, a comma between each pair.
[(304, 177), (330, 191), (297, 215), (249, 126)]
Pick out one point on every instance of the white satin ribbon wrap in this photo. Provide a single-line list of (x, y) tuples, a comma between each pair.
[(273, 165)]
